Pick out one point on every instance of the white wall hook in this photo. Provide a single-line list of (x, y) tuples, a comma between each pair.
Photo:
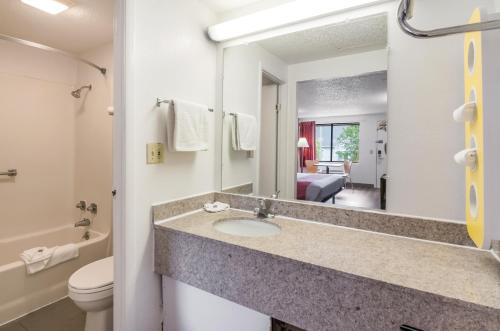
[(467, 157), (465, 113)]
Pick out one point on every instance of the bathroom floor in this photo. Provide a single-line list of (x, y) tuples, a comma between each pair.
[(59, 316), (360, 197)]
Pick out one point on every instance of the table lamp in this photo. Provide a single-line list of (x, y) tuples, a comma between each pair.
[(302, 143)]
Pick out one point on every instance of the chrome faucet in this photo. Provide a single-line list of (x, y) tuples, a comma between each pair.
[(264, 209), (83, 222)]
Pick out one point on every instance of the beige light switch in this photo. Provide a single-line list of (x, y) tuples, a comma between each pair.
[(154, 153)]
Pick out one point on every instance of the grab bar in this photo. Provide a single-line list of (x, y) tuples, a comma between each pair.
[(405, 13), (10, 173)]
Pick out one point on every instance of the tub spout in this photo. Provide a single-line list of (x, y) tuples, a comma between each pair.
[(83, 222)]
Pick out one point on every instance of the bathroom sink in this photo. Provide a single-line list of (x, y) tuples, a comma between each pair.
[(247, 227)]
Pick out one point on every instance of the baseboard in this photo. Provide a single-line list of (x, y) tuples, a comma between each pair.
[(362, 185)]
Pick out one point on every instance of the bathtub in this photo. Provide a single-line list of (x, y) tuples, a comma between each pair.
[(22, 293)]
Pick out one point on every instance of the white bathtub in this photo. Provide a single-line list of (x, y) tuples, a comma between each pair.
[(22, 293)]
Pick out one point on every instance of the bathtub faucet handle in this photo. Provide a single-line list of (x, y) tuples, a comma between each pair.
[(92, 208), (81, 205)]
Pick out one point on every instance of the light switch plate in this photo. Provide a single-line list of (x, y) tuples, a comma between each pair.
[(154, 153)]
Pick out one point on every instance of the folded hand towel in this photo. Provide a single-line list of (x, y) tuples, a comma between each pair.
[(187, 127), (40, 258), (215, 207), (244, 132), (37, 258)]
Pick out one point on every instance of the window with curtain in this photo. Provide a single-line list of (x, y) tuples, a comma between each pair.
[(336, 142)]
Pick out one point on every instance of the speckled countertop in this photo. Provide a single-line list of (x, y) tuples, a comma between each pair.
[(457, 272)]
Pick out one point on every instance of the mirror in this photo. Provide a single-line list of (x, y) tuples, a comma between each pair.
[(340, 118), (348, 112)]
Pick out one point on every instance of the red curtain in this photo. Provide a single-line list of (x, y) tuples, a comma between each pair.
[(308, 130)]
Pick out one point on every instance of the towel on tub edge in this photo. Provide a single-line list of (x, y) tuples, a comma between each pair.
[(40, 258)]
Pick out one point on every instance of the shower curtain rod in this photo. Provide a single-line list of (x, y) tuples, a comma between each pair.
[(405, 13), (51, 49)]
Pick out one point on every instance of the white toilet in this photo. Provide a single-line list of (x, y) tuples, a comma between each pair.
[(91, 289)]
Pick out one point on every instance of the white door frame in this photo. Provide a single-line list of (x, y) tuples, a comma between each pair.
[(118, 229)]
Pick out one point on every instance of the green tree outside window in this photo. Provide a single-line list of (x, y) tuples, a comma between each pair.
[(348, 143)]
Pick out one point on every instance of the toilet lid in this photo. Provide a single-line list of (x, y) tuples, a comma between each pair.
[(94, 275)]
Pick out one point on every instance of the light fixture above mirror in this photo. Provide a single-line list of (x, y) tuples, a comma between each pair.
[(283, 15)]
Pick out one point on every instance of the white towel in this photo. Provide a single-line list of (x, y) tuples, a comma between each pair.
[(63, 253), (215, 207), (40, 258), (187, 127), (244, 131), (37, 258)]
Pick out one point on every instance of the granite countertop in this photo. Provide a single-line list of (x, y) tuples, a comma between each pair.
[(452, 271)]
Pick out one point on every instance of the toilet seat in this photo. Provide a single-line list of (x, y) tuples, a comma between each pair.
[(94, 278), (92, 290), (79, 296)]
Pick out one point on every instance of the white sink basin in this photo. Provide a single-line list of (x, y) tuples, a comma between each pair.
[(247, 227)]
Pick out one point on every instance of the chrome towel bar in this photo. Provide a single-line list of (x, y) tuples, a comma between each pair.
[(405, 13), (10, 173), (159, 101)]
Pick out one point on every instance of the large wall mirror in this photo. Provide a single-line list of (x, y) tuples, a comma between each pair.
[(334, 114), (340, 116)]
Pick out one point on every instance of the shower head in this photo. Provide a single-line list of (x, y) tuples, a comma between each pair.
[(77, 93)]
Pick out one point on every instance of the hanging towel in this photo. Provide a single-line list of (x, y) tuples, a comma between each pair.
[(187, 127), (40, 258), (244, 130)]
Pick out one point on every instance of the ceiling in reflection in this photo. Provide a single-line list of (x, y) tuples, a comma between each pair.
[(346, 96), (355, 36)]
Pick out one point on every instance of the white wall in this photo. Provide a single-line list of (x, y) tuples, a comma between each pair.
[(344, 66), (190, 309), (243, 67), (93, 138), (36, 138), (167, 54), (425, 81), (60, 145), (364, 171)]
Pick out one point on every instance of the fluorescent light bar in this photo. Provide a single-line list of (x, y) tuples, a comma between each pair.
[(286, 14), (49, 6)]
